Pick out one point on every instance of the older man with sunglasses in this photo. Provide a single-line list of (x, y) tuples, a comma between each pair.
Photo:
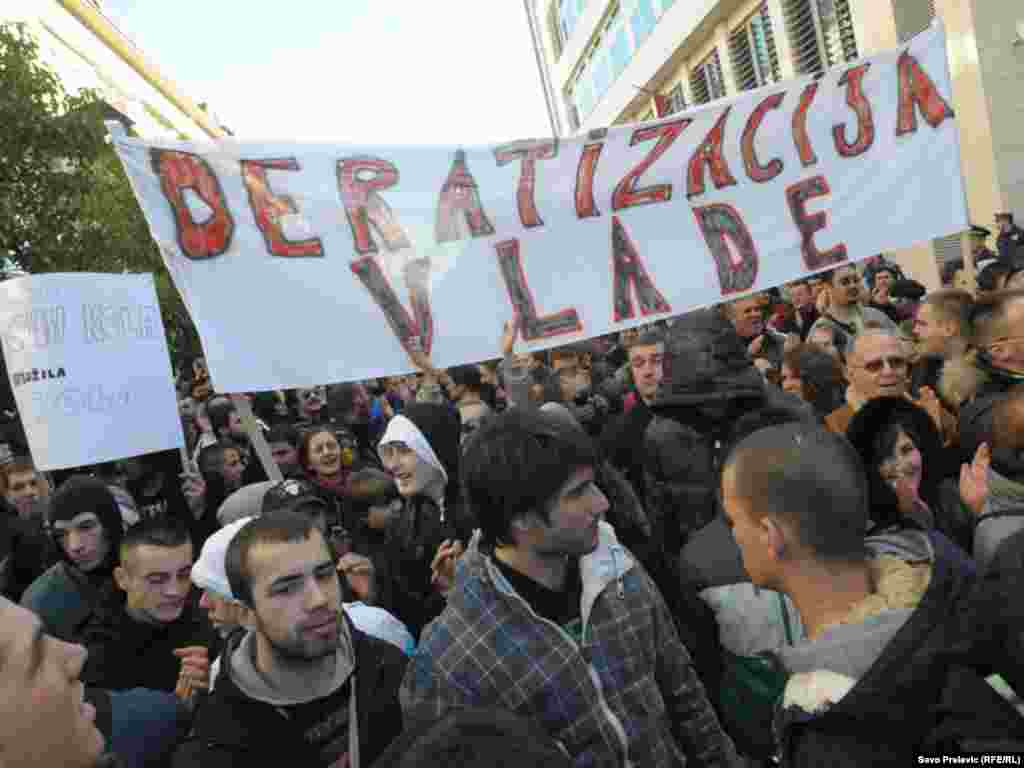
[(878, 365)]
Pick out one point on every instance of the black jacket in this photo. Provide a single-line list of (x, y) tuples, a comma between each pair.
[(927, 372), (925, 693), (25, 552), (773, 346), (622, 443), (414, 540), (124, 653), (231, 729), (999, 599)]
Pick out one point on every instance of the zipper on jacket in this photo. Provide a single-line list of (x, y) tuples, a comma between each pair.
[(613, 719), (621, 588)]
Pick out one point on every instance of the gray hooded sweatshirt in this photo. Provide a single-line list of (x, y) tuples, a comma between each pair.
[(253, 684)]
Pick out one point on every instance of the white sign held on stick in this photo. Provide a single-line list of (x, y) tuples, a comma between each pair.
[(88, 362)]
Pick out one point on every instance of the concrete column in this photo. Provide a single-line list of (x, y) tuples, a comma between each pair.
[(874, 25), (972, 104), (984, 34), (683, 76)]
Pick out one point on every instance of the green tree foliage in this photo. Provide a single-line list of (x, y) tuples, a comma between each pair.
[(65, 201)]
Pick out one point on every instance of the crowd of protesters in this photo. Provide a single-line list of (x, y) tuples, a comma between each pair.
[(785, 530)]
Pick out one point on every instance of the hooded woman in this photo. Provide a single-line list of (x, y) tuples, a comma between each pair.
[(420, 450), (87, 529)]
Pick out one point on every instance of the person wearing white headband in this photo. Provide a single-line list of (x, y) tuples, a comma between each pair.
[(225, 611), (209, 575)]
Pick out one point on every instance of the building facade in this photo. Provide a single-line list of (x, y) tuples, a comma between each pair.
[(86, 49), (607, 62)]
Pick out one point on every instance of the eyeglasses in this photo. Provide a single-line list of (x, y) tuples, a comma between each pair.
[(846, 282), (894, 363)]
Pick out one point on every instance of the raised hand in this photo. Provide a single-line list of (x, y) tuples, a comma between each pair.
[(195, 672), (928, 400), (824, 303), (418, 357), (974, 486), (194, 488), (359, 572), (443, 566), (508, 337), (756, 346), (906, 493)]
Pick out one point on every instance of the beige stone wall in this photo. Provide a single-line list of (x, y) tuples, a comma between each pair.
[(875, 28), (1001, 67)]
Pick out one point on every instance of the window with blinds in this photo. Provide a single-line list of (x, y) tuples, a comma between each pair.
[(947, 251), (706, 80), (821, 34), (837, 30), (755, 60), (676, 99)]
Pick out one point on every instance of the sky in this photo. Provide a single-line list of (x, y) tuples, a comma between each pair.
[(358, 71)]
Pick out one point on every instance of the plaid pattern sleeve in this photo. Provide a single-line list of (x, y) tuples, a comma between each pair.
[(694, 722), (627, 696), (427, 695)]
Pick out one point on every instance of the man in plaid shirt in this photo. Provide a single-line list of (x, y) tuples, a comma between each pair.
[(551, 618)]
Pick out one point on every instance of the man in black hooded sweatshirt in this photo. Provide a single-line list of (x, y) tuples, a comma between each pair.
[(87, 527)]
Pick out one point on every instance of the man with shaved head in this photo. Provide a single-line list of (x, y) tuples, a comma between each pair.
[(942, 321), (882, 615), (993, 367), (998, 335)]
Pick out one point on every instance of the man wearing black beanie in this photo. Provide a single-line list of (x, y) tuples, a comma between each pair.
[(87, 529)]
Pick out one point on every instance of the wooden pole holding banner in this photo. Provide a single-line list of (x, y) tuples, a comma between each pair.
[(256, 438)]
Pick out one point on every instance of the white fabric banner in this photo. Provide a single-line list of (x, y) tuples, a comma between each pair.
[(88, 363), (305, 264)]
